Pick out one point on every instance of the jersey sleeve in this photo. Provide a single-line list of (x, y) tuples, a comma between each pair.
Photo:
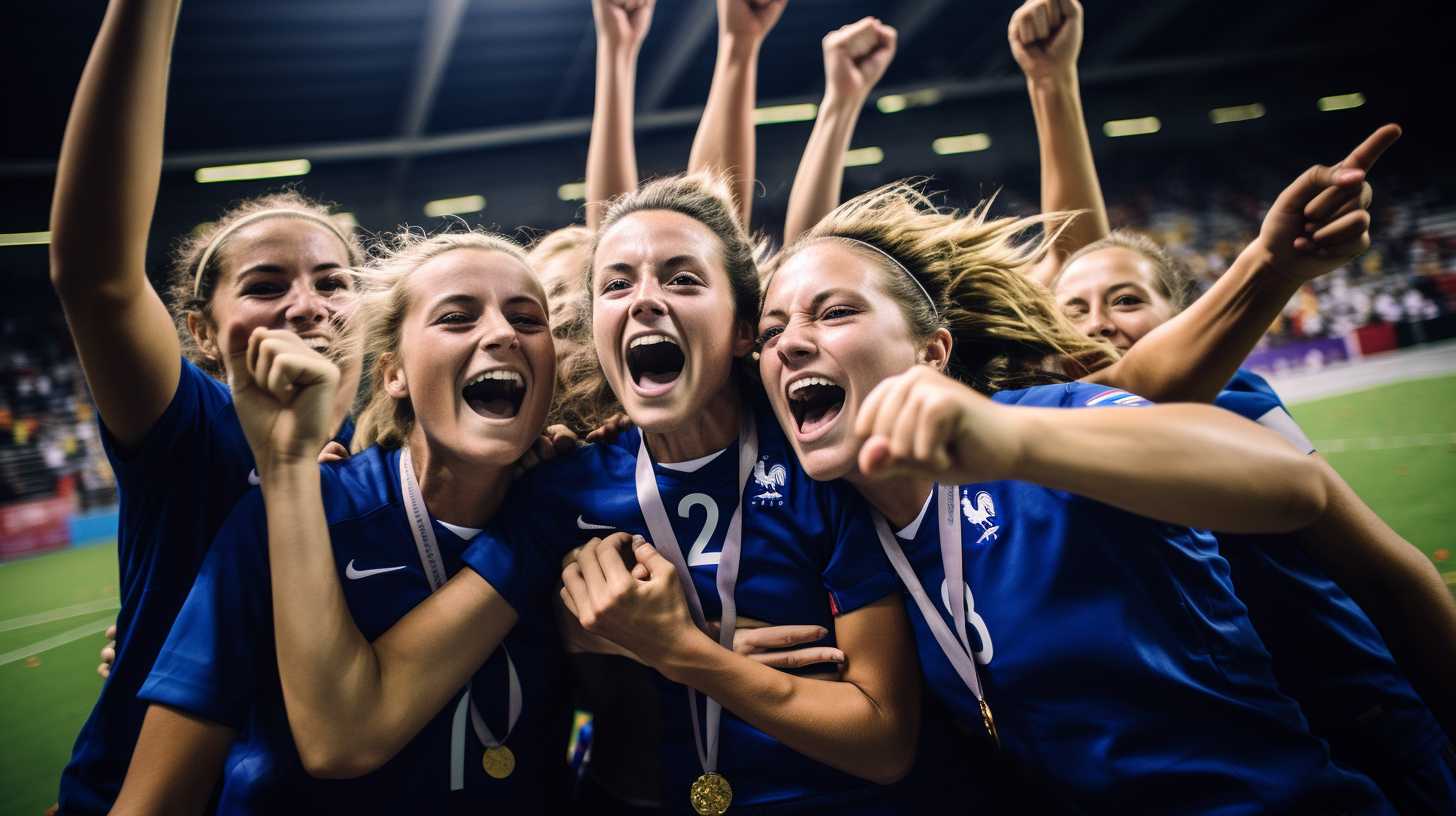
[(519, 554), (858, 574), (208, 665), (176, 436), (1071, 395), (1251, 397)]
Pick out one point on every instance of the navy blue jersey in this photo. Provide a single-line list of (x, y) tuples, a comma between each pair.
[(220, 663), (809, 552), (1327, 654), (174, 490), (1117, 660)]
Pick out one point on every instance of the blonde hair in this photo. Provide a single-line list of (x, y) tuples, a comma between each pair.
[(967, 275), (586, 397), (1170, 277), (378, 320), (190, 287), (565, 288)]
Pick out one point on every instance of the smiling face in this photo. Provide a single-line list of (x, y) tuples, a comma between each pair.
[(475, 357), (278, 273), (663, 319), (830, 333), (1111, 293)]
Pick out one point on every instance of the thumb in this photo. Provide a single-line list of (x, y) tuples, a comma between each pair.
[(873, 455), (647, 556)]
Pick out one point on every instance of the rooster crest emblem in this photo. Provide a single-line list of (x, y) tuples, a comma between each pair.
[(770, 478), (982, 514)]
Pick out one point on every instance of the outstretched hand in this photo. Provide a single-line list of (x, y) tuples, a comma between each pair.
[(925, 424), (284, 392), (1322, 220), (1046, 36), (856, 57)]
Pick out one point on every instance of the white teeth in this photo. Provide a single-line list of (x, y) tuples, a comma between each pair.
[(649, 340), (498, 374), (797, 385)]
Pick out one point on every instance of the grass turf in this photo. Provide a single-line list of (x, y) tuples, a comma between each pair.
[(47, 699)]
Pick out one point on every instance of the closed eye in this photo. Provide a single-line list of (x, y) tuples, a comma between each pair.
[(454, 319), (1127, 300), (769, 334), (837, 312)]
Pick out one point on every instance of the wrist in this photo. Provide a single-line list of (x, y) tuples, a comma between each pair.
[(841, 102), (678, 657), (284, 472), (738, 46), (1053, 81), (617, 54)]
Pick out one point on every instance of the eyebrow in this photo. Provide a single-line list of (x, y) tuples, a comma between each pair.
[(276, 269), (674, 261), (1111, 290), (462, 299), (817, 302)]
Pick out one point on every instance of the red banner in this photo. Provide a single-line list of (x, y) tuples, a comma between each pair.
[(35, 526)]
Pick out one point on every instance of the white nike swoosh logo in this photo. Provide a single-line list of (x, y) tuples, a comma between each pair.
[(355, 574), (253, 477), (583, 524)]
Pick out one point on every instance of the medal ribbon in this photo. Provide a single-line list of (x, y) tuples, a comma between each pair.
[(665, 540), (429, 549), (957, 647)]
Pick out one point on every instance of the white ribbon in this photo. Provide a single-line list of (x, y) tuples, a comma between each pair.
[(665, 540)]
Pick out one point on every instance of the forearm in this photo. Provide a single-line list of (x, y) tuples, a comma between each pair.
[(1191, 357), (176, 764), (1192, 465), (820, 175), (111, 156), (1068, 172), (1397, 586), (835, 722), (725, 138), (611, 159)]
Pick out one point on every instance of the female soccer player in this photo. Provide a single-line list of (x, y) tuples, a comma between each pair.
[(1327, 654), (168, 425), (463, 374), (1104, 634)]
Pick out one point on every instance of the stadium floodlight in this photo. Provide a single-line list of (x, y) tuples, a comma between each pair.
[(1236, 113), (1141, 126), (24, 238), (894, 103), (460, 205), (1341, 101), (251, 172), (967, 143), (862, 156), (778, 114), (573, 191)]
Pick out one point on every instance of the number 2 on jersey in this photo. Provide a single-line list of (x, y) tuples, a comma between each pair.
[(696, 556)]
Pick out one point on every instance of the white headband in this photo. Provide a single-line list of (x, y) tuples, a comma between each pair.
[(892, 259), (258, 216)]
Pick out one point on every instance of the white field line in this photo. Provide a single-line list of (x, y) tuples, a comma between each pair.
[(53, 615), (68, 636), (1450, 578), (1373, 443)]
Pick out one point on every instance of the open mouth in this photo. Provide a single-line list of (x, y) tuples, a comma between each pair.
[(815, 403), (495, 394), (655, 361)]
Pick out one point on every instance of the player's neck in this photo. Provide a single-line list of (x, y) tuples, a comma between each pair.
[(466, 494), (713, 430), (898, 498), (348, 387)]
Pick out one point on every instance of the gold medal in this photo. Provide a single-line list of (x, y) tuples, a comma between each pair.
[(499, 762), (710, 794), (990, 723)]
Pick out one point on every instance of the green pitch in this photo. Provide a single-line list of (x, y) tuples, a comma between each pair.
[(1393, 455)]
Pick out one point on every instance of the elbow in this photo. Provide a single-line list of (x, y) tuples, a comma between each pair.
[(1308, 497), (339, 760), (892, 762)]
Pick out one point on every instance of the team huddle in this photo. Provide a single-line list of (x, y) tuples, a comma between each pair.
[(923, 510)]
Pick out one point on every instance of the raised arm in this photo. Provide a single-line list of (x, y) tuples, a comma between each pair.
[(855, 58), (1317, 224), (865, 723), (611, 157), (106, 189), (1192, 465), (1046, 37), (351, 704), (724, 142)]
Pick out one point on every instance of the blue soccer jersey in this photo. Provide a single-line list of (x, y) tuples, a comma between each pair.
[(808, 554), (220, 663), (175, 490), (1327, 654), (1119, 664)]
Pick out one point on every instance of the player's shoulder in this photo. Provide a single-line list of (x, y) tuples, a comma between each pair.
[(1069, 395), (590, 464), (1249, 382), (361, 484)]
